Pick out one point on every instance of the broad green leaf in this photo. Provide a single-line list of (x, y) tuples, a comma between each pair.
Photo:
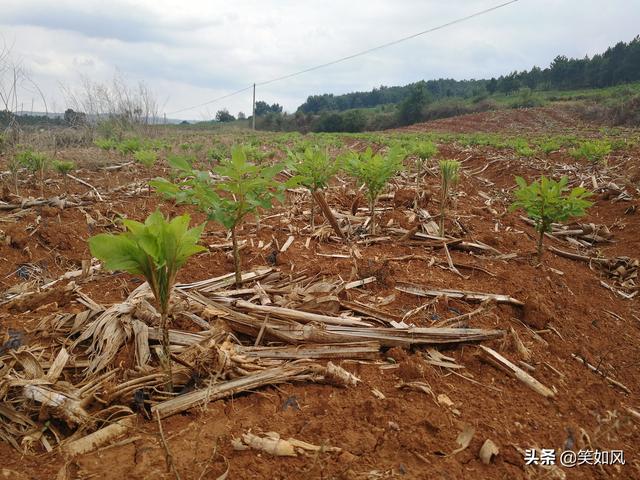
[(118, 252)]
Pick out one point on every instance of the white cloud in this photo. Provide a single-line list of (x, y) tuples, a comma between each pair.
[(191, 51)]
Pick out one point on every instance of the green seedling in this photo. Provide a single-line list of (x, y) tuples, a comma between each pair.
[(314, 170), (550, 145), (244, 188), (546, 201), (155, 250), (36, 163), (14, 165), (423, 151), (374, 171), (595, 151), (129, 145), (522, 148), (106, 143), (64, 168), (147, 158), (449, 177)]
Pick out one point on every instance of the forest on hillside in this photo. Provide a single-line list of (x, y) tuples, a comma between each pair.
[(618, 64)]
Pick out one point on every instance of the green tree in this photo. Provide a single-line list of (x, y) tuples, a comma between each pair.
[(224, 116), (410, 110)]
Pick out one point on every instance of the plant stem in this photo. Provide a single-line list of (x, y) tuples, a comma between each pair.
[(42, 182), (540, 250), (442, 209), (372, 215), (236, 257), (166, 351)]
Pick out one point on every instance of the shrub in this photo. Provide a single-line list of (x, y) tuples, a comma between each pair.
[(155, 250), (526, 99), (545, 201)]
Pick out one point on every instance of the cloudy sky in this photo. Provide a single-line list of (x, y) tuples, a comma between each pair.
[(191, 51)]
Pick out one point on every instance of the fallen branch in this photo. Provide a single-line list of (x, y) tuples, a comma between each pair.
[(217, 391), (86, 184), (326, 211), (297, 315), (167, 453), (502, 363), (601, 373), (473, 297), (99, 438)]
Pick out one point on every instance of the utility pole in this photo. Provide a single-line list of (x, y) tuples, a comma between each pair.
[(253, 117)]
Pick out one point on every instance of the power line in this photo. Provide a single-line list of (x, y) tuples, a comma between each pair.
[(212, 101), (354, 55)]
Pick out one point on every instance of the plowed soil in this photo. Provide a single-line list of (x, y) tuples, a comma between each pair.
[(406, 434)]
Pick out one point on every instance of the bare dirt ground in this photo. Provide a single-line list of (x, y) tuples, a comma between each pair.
[(389, 432), (554, 120)]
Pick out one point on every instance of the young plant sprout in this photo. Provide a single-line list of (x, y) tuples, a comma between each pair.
[(545, 201), (374, 171), (14, 166), (106, 143), (314, 170), (244, 188), (449, 176), (64, 167), (155, 250), (423, 152), (147, 158), (35, 162)]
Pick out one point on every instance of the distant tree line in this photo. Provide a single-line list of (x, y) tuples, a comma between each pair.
[(70, 118), (262, 109), (618, 64)]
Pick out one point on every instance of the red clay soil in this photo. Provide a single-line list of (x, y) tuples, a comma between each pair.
[(406, 434), (553, 120)]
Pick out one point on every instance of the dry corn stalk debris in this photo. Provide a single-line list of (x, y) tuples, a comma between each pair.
[(577, 234), (622, 270), (67, 386)]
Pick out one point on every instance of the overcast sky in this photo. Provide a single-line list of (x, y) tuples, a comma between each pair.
[(190, 51)]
